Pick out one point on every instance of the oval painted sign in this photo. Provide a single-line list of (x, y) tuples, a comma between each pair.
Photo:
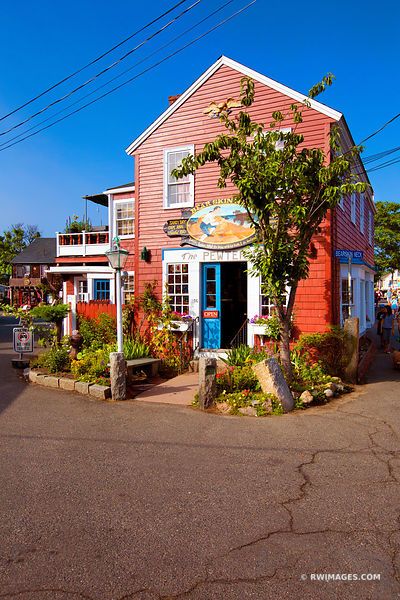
[(220, 226)]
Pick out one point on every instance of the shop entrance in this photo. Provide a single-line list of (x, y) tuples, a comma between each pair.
[(224, 303)]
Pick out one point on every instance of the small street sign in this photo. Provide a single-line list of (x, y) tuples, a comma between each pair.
[(23, 340), (349, 254)]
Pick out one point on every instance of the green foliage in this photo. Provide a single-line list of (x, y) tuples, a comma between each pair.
[(237, 379), (97, 332), (263, 404), (244, 355), (12, 242), (55, 360), (271, 326), (136, 349), (286, 188), (387, 236), (92, 364), (239, 356), (326, 349), (74, 225), (49, 313), (25, 316)]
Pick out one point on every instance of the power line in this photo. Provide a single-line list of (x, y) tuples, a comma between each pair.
[(80, 100), (235, 14), (102, 72), (89, 64), (380, 129), (378, 156)]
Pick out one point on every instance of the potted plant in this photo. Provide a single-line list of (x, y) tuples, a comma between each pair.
[(175, 321)]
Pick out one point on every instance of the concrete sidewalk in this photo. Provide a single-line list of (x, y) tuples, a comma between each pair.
[(178, 390)]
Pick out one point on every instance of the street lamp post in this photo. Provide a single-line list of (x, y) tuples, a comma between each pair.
[(117, 257)]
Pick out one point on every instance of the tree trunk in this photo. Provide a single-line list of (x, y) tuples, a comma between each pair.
[(284, 349)]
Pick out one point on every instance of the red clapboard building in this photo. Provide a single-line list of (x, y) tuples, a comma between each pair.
[(206, 273), (189, 237)]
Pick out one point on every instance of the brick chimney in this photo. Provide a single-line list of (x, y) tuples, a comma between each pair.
[(171, 99)]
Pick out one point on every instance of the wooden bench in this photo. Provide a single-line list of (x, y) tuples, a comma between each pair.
[(148, 365)]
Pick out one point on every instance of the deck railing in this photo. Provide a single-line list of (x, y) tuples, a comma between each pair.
[(83, 243)]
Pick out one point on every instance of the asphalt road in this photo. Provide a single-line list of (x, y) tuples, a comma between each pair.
[(105, 501)]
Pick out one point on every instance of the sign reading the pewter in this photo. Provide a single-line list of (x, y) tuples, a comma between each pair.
[(23, 340), (210, 314)]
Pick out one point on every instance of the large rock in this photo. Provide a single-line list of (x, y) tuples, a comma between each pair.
[(207, 381), (118, 375), (272, 381)]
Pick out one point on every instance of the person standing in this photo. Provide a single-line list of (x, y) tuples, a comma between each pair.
[(380, 317), (387, 329)]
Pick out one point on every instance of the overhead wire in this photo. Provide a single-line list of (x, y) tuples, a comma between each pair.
[(80, 100), (102, 72), (92, 62), (153, 66)]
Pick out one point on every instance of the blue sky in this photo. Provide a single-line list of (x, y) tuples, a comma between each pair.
[(43, 179)]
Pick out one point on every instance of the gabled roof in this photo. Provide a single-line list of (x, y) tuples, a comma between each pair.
[(228, 62), (41, 251)]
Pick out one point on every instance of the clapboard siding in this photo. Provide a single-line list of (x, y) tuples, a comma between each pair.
[(317, 301)]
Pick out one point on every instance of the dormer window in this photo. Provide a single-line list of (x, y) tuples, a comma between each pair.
[(178, 193)]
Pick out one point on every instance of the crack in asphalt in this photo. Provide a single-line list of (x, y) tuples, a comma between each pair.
[(47, 590)]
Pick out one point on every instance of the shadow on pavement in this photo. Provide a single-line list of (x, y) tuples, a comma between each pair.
[(11, 380)]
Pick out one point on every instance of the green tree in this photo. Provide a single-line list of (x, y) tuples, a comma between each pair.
[(12, 242), (387, 237), (286, 188)]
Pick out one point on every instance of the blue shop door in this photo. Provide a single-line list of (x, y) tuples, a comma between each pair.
[(211, 306)]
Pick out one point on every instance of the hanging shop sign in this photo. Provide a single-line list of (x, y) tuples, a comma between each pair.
[(23, 340), (176, 228), (217, 225)]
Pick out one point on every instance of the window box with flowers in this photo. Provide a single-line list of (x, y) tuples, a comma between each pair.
[(265, 326), (176, 322)]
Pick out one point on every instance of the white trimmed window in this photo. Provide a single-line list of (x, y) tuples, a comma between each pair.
[(341, 202), (266, 304), (124, 211), (82, 290), (129, 288), (370, 227), (178, 193), (362, 213), (353, 207), (178, 287), (347, 298)]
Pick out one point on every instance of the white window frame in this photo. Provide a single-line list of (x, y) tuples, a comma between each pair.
[(341, 202), (353, 208), (115, 220), (82, 296), (370, 227), (177, 281), (127, 289), (362, 213), (351, 297), (190, 150)]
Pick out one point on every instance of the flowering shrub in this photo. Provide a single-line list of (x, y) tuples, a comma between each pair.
[(263, 404), (92, 364)]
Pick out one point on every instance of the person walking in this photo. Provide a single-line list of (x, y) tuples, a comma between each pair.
[(380, 317), (387, 329)]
